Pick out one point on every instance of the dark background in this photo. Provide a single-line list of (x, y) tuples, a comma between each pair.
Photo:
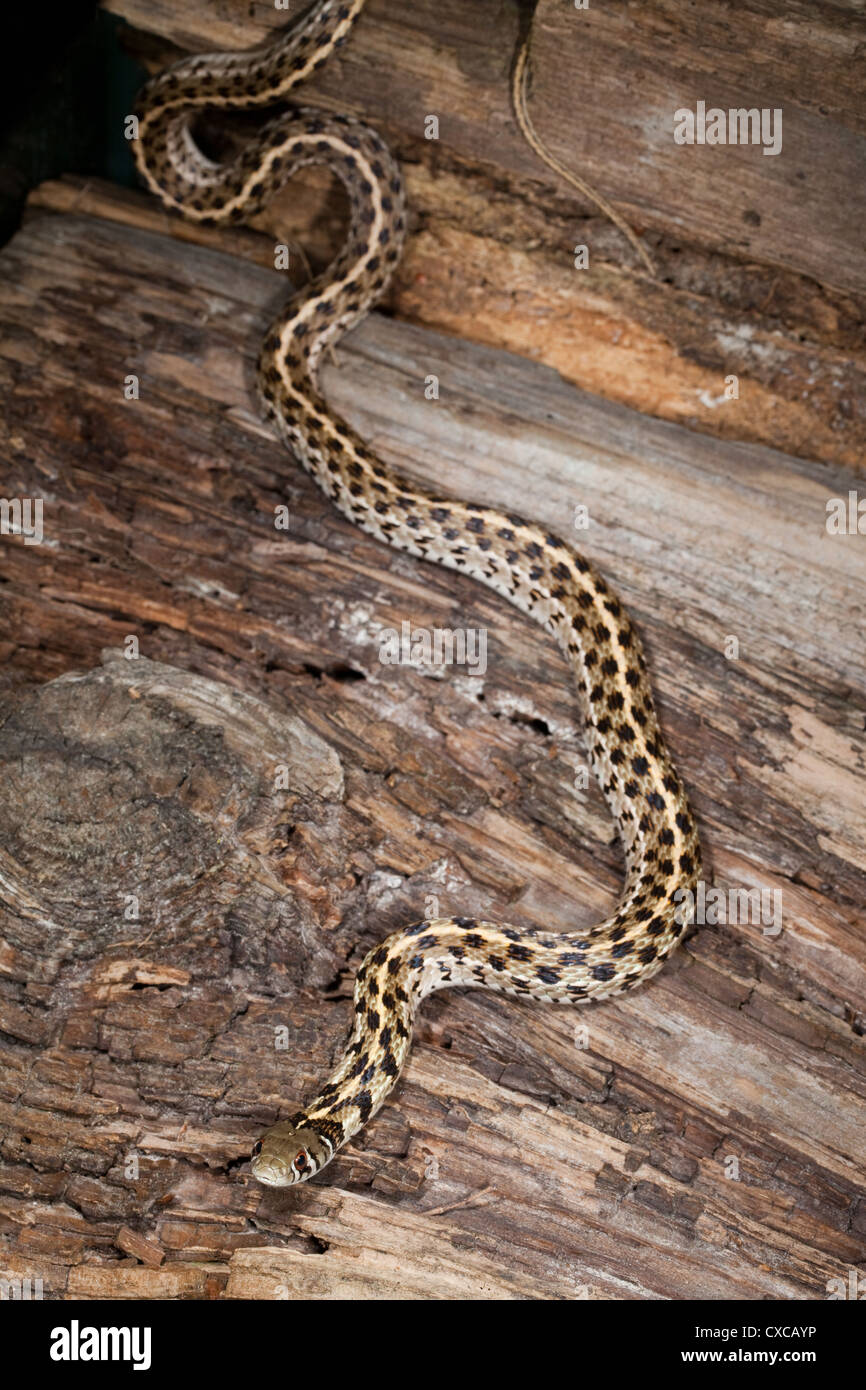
[(66, 83)]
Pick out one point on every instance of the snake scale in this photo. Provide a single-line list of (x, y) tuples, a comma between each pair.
[(526, 564)]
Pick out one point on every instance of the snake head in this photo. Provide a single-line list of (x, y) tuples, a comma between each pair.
[(287, 1154)]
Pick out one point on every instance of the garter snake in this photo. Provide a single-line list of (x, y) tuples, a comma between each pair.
[(524, 562)]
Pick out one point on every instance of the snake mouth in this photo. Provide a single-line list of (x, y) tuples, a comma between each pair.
[(270, 1180), (271, 1175)]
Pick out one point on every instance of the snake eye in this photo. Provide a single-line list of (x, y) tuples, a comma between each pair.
[(301, 1161), (257, 1148)]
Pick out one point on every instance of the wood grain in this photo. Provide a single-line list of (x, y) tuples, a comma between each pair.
[(520, 1157), (759, 263), (798, 209)]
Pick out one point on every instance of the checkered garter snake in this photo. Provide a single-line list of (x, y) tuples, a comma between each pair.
[(524, 562)]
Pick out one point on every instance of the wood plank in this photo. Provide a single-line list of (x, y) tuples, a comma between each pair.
[(612, 78), (759, 271), (606, 83), (153, 1040)]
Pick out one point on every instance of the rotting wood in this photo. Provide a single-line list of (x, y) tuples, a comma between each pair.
[(759, 263), (604, 1156)]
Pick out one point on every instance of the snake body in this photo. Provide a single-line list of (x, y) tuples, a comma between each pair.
[(534, 569)]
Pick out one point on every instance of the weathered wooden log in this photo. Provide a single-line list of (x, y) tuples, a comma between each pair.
[(759, 265), (702, 1136)]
